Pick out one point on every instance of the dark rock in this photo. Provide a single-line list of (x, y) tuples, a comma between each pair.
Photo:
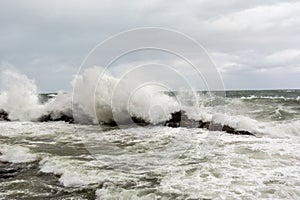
[(65, 118), (188, 123), (204, 124), (175, 120), (231, 130), (133, 120), (52, 117), (180, 119), (45, 118), (244, 133), (4, 115), (228, 129), (111, 123), (139, 121)]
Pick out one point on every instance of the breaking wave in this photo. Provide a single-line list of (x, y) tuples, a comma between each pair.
[(20, 100)]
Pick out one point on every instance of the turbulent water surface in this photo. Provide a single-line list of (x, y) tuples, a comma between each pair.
[(58, 160), (153, 162)]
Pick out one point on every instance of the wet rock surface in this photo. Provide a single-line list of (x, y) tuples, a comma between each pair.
[(4, 116), (180, 119), (52, 117)]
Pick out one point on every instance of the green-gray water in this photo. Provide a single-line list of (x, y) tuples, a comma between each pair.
[(57, 160)]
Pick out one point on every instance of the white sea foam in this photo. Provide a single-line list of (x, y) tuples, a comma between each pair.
[(19, 96), (73, 173), (110, 100), (58, 105), (16, 154), (162, 162), (102, 103), (151, 162), (123, 194), (269, 97), (239, 122)]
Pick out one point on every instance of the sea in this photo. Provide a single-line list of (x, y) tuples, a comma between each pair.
[(92, 160)]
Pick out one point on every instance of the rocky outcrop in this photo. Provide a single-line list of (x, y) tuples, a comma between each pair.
[(132, 120), (231, 130), (60, 117), (44, 118), (4, 115), (180, 119)]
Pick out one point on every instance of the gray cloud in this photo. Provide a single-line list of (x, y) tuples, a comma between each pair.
[(255, 44)]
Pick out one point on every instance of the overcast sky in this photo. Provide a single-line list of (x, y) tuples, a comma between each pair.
[(255, 44)]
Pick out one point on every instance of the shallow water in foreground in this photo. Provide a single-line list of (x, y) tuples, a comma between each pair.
[(67, 161)]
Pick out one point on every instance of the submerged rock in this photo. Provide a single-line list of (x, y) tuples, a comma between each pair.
[(180, 119)]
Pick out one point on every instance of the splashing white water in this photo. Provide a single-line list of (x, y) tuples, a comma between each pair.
[(113, 99), (19, 96), (16, 154)]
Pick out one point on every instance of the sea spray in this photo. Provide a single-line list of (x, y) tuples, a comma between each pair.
[(84, 95), (20, 99), (93, 101), (110, 98), (19, 96), (105, 100)]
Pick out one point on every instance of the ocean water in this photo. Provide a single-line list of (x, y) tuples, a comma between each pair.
[(85, 160)]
